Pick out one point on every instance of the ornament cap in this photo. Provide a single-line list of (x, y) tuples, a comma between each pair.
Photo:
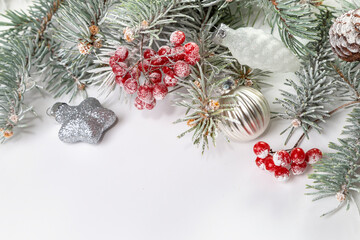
[(220, 33)]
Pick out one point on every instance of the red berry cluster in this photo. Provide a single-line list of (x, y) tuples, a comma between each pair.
[(282, 162), (161, 69)]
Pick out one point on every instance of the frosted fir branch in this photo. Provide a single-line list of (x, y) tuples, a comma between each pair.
[(338, 174), (348, 80), (306, 107), (143, 17), (295, 21), (204, 113), (17, 55), (347, 5), (78, 38), (35, 22)]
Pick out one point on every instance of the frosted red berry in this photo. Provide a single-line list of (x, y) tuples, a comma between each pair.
[(144, 66), (168, 71), (191, 48), (160, 91), (121, 53), (149, 53), (192, 58), (177, 53), (119, 80), (157, 61), (297, 155), (298, 169), (261, 149), (282, 158), (281, 173), (135, 73), (313, 156), (177, 38), (120, 69), (113, 60), (145, 94), (150, 106), (260, 163), (182, 69), (155, 76), (139, 104), (269, 164), (164, 52), (170, 81), (131, 85)]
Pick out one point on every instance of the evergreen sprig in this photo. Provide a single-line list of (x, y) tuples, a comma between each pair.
[(308, 106), (338, 174), (18, 54), (295, 21), (78, 36)]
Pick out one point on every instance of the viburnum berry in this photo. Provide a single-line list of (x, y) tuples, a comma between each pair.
[(281, 173), (119, 80), (261, 149), (260, 163), (121, 53), (182, 69), (131, 85), (144, 66), (170, 81), (282, 158), (168, 71), (120, 69), (269, 164), (313, 156), (135, 73), (177, 38), (191, 48), (192, 58), (150, 106), (157, 61), (177, 53), (155, 76), (113, 60), (139, 104), (298, 169), (160, 91), (297, 155), (164, 52), (145, 94), (149, 53)]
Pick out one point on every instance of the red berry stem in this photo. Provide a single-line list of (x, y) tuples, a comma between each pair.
[(175, 89)]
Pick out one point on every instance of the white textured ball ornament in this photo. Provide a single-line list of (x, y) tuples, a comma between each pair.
[(257, 49), (249, 118)]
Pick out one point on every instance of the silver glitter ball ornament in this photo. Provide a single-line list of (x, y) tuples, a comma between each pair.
[(83, 123), (251, 114)]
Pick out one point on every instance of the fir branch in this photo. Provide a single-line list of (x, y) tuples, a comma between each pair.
[(16, 59), (204, 113), (348, 81), (338, 174), (295, 21), (82, 29), (308, 106)]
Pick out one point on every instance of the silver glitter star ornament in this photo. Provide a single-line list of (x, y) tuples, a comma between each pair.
[(83, 123)]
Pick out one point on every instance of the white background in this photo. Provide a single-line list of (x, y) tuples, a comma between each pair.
[(142, 183)]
